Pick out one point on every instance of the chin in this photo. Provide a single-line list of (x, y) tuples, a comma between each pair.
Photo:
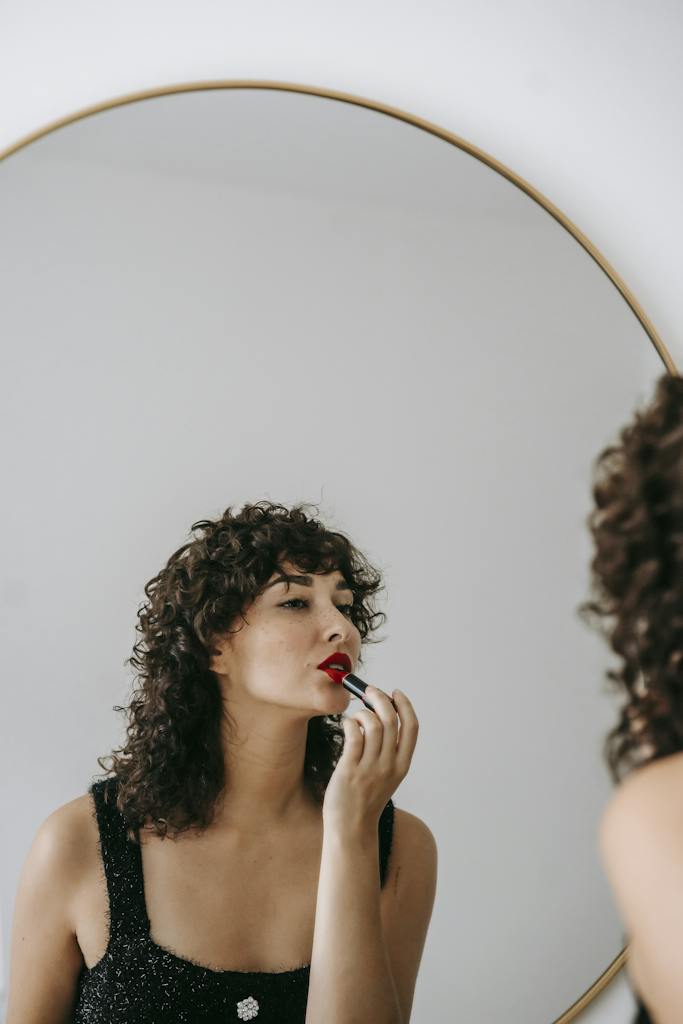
[(337, 687), (345, 697)]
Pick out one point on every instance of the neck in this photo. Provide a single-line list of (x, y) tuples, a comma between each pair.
[(265, 787)]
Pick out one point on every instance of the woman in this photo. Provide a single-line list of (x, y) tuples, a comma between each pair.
[(637, 581), (235, 863)]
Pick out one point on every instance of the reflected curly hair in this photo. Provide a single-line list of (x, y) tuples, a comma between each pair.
[(171, 770), (637, 578)]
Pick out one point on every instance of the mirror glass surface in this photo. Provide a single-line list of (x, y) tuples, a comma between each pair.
[(219, 296)]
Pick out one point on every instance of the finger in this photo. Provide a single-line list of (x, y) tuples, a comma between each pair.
[(382, 702), (353, 740), (373, 732), (410, 728), (385, 711), (374, 691)]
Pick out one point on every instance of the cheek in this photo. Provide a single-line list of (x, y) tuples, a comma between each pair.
[(280, 648)]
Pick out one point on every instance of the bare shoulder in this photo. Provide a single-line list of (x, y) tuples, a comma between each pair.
[(409, 828), (407, 901), (45, 956), (651, 795), (66, 840), (641, 833), (71, 822), (413, 850), (641, 846)]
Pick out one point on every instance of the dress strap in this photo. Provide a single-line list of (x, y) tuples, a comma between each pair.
[(385, 831), (122, 865)]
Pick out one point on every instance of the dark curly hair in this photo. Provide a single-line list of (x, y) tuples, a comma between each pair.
[(637, 578), (171, 769)]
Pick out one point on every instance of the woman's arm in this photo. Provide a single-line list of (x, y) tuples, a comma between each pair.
[(351, 978), (367, 941), (45, 959)]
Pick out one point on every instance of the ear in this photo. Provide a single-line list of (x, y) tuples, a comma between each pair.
[(219, 647)]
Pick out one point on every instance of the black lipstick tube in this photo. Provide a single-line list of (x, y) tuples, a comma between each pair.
[(355, 685)]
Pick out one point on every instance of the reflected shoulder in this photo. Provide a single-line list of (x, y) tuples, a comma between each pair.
[(414, 852), (410, 825), (408, 901), (65, 835)]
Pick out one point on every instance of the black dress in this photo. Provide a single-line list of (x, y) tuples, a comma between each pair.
[(136, 980), (642, 1015)]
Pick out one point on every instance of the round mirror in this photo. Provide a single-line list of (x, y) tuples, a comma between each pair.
[(215, 295)]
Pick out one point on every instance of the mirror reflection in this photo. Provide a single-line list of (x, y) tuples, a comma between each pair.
[(228, 296)]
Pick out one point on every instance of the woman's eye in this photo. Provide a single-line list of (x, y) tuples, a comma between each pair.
[(301, 600)]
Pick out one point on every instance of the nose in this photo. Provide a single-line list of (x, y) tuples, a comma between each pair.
[(340, 624)]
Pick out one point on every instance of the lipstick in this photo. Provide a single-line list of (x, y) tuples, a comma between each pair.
[(349, 680)]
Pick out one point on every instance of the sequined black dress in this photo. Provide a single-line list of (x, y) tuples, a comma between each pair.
[(138, 981)]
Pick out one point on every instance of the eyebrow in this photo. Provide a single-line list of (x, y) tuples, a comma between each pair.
[(305, 581)]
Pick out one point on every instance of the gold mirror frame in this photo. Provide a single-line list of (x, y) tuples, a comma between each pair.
[(619, 961)]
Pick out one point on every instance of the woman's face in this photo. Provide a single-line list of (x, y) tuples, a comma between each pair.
[(289, 631)]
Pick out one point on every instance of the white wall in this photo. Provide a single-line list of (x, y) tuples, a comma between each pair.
[(580, 99)]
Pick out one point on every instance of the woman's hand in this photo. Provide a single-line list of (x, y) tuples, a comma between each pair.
[(375, 759)]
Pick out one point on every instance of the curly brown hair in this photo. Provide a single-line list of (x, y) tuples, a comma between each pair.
[(637, 578), (171, 769)]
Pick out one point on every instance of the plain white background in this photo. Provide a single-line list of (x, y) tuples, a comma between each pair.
[(581, 100)]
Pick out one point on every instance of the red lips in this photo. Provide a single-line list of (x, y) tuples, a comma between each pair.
[(339, 659)]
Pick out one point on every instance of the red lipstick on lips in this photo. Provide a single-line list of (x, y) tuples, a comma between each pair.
[(335, 674), (353, 683)]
